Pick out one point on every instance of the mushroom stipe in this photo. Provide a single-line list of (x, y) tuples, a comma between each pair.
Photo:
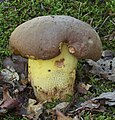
[(53, 78)]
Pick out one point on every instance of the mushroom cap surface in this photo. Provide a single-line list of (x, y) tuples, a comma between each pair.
[(40, 38)]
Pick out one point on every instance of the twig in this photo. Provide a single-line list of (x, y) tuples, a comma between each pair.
[(79, 10), (91, 21), (71, 103), (102, 23), (112, 22)]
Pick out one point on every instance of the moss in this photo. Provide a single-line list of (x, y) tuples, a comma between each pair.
[(11, 117), (15, 12)]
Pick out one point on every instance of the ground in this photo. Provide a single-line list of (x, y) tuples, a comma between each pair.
[(100, 14)]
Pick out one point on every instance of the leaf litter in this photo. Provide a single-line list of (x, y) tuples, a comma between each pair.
[(16, 93), (105, 66)]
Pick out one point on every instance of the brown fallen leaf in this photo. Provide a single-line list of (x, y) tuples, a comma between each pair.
[(60, 106), (77, 118), (9, 74), (61, 116), (8, 102), (83, 88), (108, 98), (8, 62), (34, 106), (6, 94), (97, 104), (17, 62), (34, 109), (23, 79), (91, 104), (104, 67)]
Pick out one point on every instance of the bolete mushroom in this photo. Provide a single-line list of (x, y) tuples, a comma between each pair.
[(53, 45)]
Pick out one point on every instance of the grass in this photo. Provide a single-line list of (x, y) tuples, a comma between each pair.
[(99, 14)]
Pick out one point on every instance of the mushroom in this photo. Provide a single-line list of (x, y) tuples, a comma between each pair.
[(53, 45)]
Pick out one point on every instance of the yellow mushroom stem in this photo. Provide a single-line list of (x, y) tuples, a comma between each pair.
[(53, 78)]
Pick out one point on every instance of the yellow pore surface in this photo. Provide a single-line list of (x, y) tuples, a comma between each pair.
[(53, 78)]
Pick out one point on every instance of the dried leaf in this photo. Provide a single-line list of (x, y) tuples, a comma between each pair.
[(91, 104), (3, 111), (108, 54), (61, 116), (97, 103), (108, 97), (17, 62), (23, 80), (60, 106), (96, 68), (83, 88), (6, 95), (8, 103), (9, 74), (34, 109), (76, 118), (8, 62), (104, 67)]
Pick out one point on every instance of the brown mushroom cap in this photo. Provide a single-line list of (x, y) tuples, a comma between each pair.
[(41, 37)]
